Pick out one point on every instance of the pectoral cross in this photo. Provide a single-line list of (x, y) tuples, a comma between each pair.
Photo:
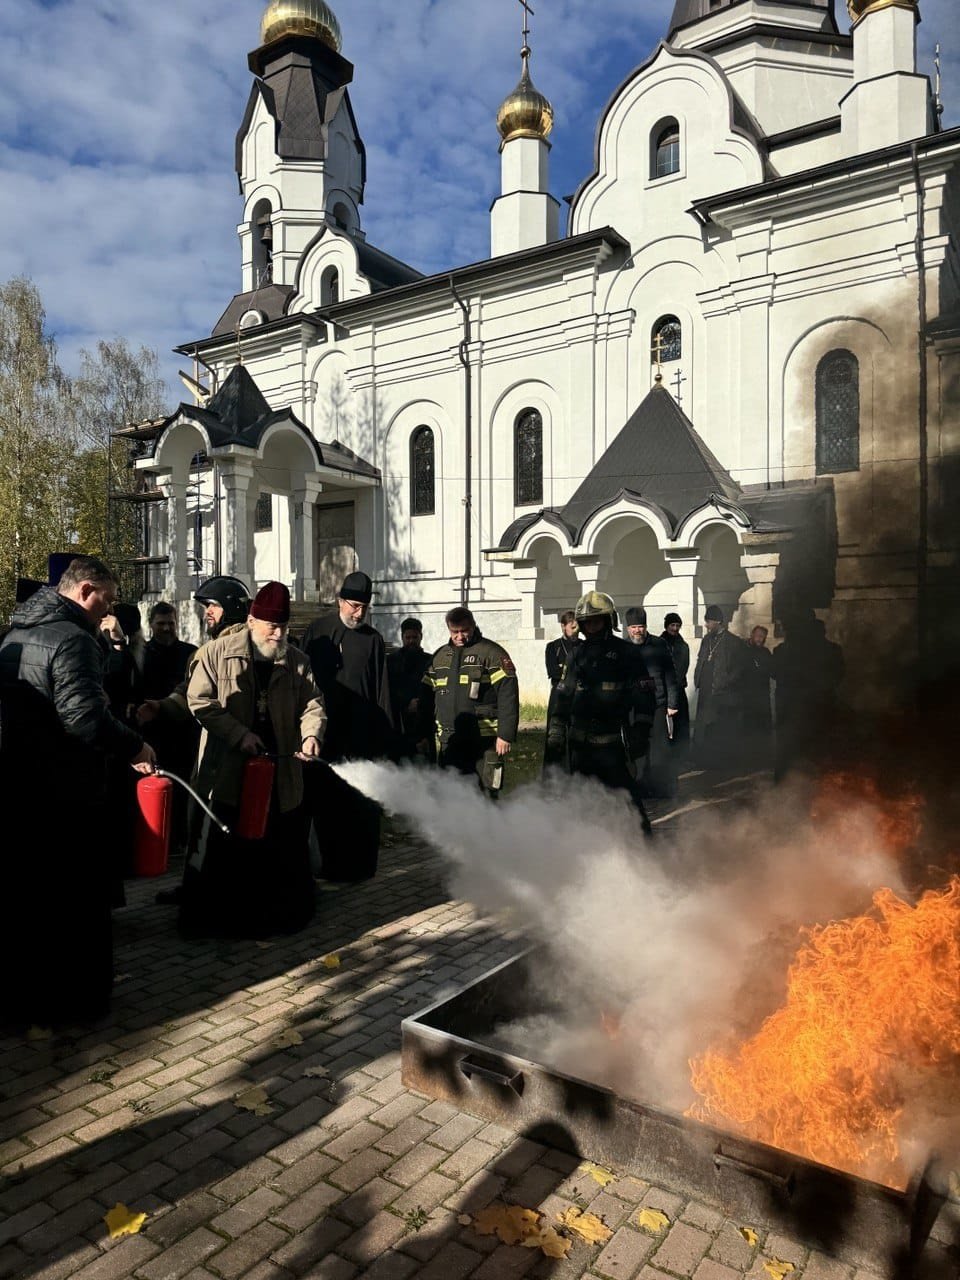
[(262, 704)]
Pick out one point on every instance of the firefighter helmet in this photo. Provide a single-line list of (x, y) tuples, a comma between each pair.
[(230, 593), (597, 604)]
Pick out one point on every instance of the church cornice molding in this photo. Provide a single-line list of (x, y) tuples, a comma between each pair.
[(557, 260), (839, 182)]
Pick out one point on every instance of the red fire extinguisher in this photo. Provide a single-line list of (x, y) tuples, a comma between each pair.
[(154, 821), (258, 775)]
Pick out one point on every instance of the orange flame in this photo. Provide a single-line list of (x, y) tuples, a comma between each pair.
[(898, 817), (872, 1016)]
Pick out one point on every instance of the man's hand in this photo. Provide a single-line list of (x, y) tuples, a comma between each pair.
[(145, 761), (503, 747), (251, 745), (310, 750), (672, 711), (148, 711)]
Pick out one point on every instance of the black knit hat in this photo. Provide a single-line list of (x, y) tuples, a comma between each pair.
[(128, 615), (635, 616), (356, 586), (672, 617), (714, 613)]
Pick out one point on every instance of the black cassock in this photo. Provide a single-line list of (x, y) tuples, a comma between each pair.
[(56, 944), (350, 666)]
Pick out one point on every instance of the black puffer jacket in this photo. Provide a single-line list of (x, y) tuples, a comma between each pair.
[(53, 647)]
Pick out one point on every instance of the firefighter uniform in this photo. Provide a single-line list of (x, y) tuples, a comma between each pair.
[(472, 697), (604, 708)]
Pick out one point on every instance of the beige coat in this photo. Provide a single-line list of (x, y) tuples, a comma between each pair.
[(221, 695)]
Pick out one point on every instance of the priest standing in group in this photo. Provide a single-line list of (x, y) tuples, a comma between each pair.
[(349, 663)]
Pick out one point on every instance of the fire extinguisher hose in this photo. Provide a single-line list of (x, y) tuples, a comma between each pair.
[(163, 773)]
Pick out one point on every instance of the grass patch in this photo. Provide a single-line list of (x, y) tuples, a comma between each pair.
[(533, 713)]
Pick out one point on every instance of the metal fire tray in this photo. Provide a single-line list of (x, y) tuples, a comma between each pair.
[(446, 1054)]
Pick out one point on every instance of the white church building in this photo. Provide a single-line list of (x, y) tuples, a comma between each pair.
[(727, 373)]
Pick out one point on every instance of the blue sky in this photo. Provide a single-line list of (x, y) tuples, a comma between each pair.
[(117, 124)]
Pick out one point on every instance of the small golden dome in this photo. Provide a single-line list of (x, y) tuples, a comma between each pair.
[(525, 113), (857, 8), (301, 18)]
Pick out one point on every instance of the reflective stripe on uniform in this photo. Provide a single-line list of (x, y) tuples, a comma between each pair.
[(497, 676), (441, 682), (488, 728)]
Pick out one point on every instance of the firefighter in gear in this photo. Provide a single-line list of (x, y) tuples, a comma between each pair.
[(605, 703), (472, 699)]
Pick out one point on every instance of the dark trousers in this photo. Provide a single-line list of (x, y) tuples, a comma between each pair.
[(347, 826), (608, 765), (235, 888), (479, 758)]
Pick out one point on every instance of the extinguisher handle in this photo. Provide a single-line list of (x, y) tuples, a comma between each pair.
[(163, 773)]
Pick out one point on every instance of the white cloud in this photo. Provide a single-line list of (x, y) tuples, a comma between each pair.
[(117, 189)]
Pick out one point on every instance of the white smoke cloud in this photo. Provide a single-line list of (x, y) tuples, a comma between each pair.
[(682, 938)]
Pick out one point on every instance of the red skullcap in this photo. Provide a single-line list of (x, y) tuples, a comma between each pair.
[(272, 604)]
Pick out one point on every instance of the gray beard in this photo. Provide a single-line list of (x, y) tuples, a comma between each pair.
[(350, 623), (269, 652)]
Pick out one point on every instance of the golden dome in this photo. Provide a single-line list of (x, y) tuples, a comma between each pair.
[(857, 8), (525, 113), (301, 18)]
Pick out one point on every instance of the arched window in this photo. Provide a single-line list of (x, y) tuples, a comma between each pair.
[(528, 458), (665, 151), (838, 413), (666, 340), (261, 227), (329, 287), (341, 216), (422, 473)]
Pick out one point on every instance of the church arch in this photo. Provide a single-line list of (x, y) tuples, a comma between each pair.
[(425, 543), (795, 446)]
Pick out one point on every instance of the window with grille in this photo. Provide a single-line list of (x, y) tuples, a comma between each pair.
[(528, 458), (838, 413), (422, 473), (263, 520), (666, 340), (666, 150)]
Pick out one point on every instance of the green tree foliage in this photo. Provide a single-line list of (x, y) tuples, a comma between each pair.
[(35, 447)]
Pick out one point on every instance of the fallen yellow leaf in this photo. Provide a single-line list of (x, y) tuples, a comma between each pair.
[(954, 1185), (287, 1038), (777, 1269), (122, 1221), (586, 1225), (464, 1219), (553, 1244), (511, 1223), (331, 961), (254, 1100), (749, 1235), (598, 1173), (317, 1073), (653, 1220)]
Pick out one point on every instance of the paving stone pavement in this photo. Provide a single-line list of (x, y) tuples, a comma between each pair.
[(342, 1171)]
